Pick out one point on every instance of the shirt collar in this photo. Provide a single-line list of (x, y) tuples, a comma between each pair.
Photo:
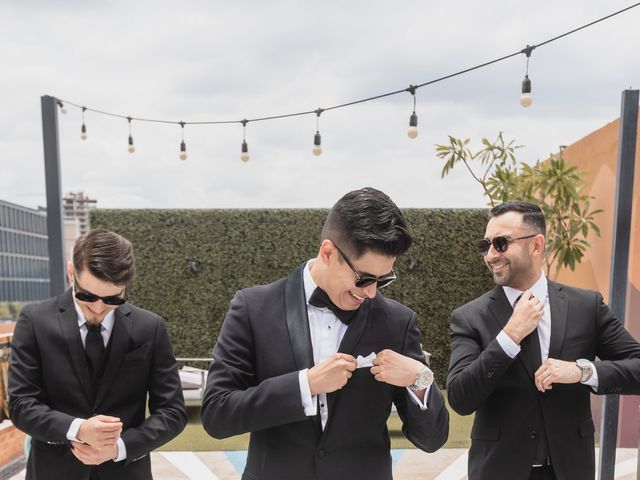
[(539, 289), (309, 284), (107, 323)]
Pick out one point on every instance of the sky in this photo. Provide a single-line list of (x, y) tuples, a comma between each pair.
[(204, 60)]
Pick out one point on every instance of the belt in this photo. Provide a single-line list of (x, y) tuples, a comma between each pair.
[(546, 463)]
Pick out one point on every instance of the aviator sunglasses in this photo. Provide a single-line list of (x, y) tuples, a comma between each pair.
[(113, 300), (364, 280), (500, 243)]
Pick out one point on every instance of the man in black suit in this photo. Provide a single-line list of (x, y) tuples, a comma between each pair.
[(523, 359), (312, 363), (81, 368)]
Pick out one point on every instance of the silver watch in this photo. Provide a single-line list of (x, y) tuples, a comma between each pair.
[(424, 378), (585, 367)]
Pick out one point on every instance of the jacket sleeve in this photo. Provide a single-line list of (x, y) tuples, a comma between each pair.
[(167, 412), (474, 372), (235, 401), (426, 429), (27, 396), (619, 353)]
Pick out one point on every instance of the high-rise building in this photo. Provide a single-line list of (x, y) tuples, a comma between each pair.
[(77, 206), (24, 258)]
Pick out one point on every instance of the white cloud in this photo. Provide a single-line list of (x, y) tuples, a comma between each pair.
[(221, 60)]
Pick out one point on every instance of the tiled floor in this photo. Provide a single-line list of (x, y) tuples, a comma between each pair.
[(445, 464)]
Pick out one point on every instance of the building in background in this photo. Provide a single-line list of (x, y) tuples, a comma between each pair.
[(76, 206), (24, 258)]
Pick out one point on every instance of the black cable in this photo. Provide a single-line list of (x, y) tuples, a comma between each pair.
[(526, 51)]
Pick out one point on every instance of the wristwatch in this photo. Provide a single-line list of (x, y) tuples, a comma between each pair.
[(424, 378), (585, 367)]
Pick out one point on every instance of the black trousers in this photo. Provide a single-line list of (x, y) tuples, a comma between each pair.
[(543, 473)]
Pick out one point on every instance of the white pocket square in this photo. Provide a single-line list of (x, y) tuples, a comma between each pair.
[(365, 361)]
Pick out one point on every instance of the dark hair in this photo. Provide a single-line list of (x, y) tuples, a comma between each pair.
[(367, 220), (107, 255), (532, 214)]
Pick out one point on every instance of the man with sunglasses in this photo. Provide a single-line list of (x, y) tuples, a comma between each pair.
[(523, 358), (312, 363), (86, 364)]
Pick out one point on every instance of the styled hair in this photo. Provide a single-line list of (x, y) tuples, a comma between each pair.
[(532, 214), (367, 220), (107, 255)]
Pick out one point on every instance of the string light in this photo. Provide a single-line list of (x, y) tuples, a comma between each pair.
[(413, 119), (131, 147), (526, 99), (183, 146), (317, 138), (244, 155), (83, 129), (63, 109)]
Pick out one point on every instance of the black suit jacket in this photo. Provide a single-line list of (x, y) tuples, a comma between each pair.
[(253, 387), (50, 385), (501, 391)]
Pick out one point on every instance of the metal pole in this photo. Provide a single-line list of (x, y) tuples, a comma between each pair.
[(54, 198), (620, 264)]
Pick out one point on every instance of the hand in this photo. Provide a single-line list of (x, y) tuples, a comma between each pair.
[(395, 369), (525, 318), (100, 431), (93, 456), (556, 371), (332, 374)]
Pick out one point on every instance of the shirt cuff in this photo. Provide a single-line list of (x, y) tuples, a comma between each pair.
[(73, 429), (122, 451), (510, 347), (421, 403), (593, 381), (309, 402)]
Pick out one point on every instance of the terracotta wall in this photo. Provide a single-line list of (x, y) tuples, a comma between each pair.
[(597, 154)]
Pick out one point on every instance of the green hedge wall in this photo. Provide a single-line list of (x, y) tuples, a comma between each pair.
[(191, 262)]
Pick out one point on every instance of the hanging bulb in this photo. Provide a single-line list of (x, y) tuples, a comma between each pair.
[(526, 99), (244, 156), (317, 144), (183, 150), (83, 132), (413, 126), (63, 109), (132, 147)]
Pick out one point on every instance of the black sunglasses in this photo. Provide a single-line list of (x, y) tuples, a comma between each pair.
[(500, 243), (364, 280), (83, 296)]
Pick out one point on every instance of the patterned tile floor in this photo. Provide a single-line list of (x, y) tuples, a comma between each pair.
[(445, 464)]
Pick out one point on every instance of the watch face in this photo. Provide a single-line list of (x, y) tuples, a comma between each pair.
[(425, 378)]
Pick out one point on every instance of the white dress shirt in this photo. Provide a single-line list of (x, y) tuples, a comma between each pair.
[(540, 290), (327, 332), (106, 327)]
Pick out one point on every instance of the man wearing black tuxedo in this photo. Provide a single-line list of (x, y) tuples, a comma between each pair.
[(291, 361), (523, 358), (82, 367)]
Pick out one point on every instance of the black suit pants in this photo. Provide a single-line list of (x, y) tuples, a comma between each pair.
[(543, 473)]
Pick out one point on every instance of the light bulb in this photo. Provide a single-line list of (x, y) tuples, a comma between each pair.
[(317, 144), (413, 126), (63, 109), (132, 147), (83, 132), (183, 151), (244, 156), (526, 99)]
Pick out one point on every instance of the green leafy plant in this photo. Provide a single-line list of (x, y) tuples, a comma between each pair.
[(554, 185)]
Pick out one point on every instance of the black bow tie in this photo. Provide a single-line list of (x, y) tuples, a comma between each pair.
[(320, 299)]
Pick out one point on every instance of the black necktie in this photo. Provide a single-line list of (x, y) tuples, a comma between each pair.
[(532, 344), (94, 345), (320, 299)]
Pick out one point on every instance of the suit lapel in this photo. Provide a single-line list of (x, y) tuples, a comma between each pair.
[(119, 341), (559, 306), (297, 319), (500, 307), (68, 320)]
